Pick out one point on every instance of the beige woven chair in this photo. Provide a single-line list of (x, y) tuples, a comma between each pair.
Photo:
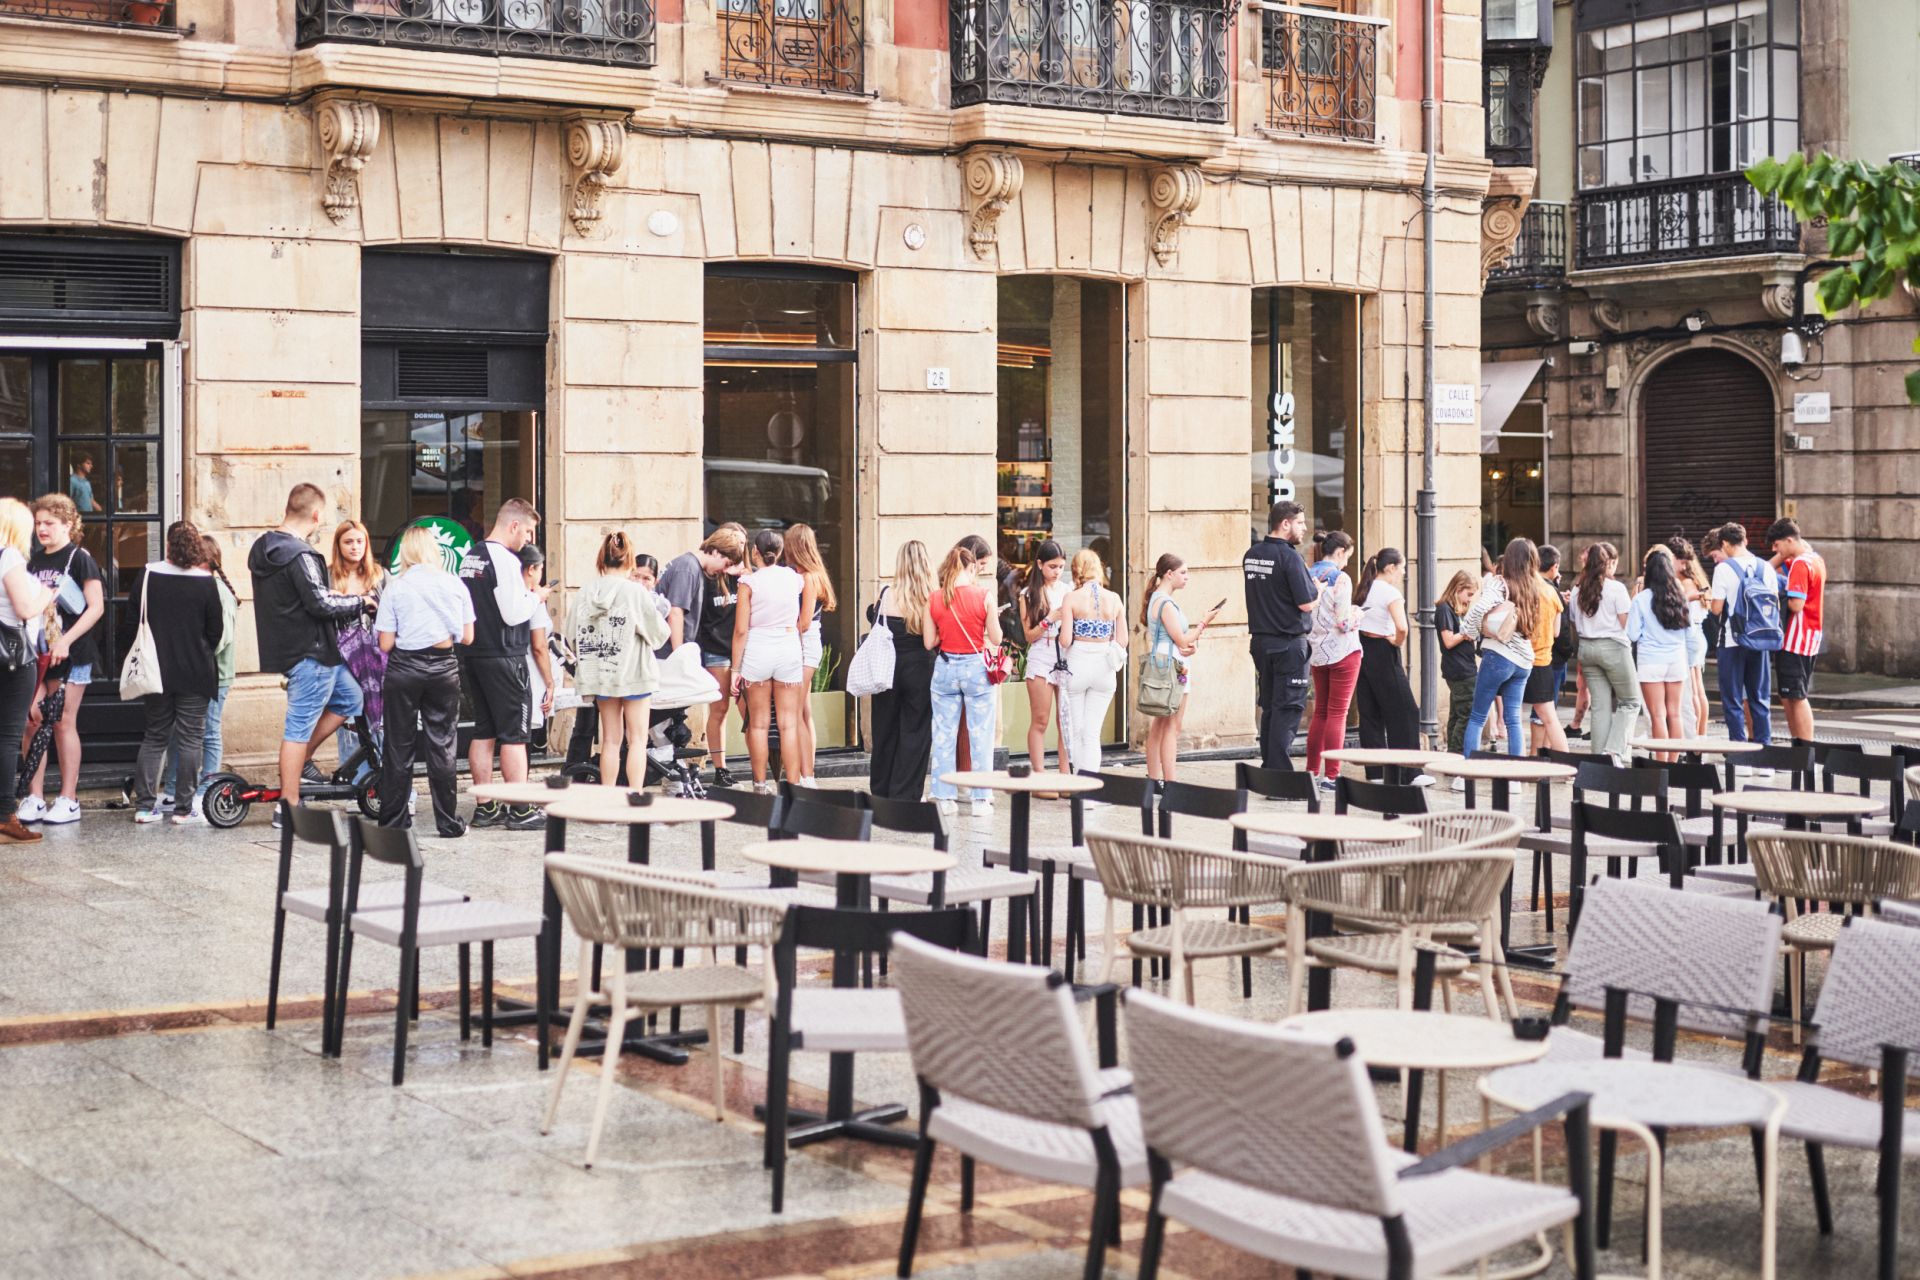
[(1801, 868), (631, 908), (1456, 831), (1402, 900), (1180, 879)]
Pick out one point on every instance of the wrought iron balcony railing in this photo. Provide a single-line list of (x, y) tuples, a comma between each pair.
[(1319, 68), (1134, 57), (1539, 253), (797, 44), (1512, 74), (1911, 159), (1721, 216), (617, 32), (157, 14)]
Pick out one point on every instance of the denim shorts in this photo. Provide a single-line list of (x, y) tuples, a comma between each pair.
[(715, 661), (313, 688), (80, 673)]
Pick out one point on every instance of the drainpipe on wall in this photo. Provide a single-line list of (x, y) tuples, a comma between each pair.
[(1426, 519)]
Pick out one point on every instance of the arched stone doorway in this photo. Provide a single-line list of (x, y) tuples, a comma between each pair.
[(1707, 424)]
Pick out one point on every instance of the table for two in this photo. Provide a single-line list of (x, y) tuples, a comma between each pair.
[(1022, 789)]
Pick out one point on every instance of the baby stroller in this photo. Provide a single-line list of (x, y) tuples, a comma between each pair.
[(684, 684)]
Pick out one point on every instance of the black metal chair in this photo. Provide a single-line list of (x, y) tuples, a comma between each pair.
[(1278, 784), (826, 821), (1384, 798), (978, 886), (413, 928), (1858, 766), (835, 797)]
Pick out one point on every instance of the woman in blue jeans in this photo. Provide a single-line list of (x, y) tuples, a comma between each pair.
[(964, 628), (1513, 588)]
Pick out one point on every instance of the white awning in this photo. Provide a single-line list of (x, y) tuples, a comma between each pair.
[(1502, 383)]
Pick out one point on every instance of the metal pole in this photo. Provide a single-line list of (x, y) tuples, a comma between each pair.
[(1426, 518)]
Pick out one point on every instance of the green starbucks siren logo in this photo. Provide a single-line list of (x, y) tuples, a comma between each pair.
[(453, 539)]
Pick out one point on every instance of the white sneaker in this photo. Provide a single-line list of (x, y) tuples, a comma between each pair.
[(64, 809), (32, 809), (155, 814), (1421, 780), (1459, 784), (947, 808), (192, 818), (806, 782), (982, 807)]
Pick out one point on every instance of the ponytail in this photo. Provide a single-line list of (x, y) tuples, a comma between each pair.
[(1165, 565), (616, 554), (1368, 572), (958, 564)]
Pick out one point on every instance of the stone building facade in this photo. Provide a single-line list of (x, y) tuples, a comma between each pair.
[(669, 294)]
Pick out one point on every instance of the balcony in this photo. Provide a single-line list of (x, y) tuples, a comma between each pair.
[(1131, 57), (1678, 220), (1539, 256), (612, 32), (1911, 159), (1511, 82), (792, 44), (1319, 69), (104, 13)]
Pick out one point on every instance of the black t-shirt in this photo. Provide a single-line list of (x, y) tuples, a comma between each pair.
[(75, 562), (1277, 585), (715, 629), (1458, 662)]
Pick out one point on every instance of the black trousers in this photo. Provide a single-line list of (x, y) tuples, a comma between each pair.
[(1389, 716), (176, 722), (422, 719), (1284, 682), (903, 723), (16, 695)]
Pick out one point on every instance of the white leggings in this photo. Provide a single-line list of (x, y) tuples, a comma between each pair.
[(1089, 692)]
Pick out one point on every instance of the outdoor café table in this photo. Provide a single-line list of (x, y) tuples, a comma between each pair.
[(1798, 808), (1323, 833), (1022, 790), (610, 806), (1645, 1099), (853, 864), (1399, 763), (1696, 750), (1502, 773), (1417, 1040)]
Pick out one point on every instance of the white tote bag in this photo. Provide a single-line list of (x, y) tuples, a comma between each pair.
[(140, 673), (871, 670)]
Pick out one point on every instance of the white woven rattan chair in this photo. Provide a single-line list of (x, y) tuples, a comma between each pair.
[(630, 908), (1179, 879), (1456, 830), (1281, 1152), (1401, 901), (1798, 869), (1006, 1077)]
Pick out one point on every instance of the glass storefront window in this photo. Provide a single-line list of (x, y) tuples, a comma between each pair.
[(1513, 485), (438, 462), (778, 429), (1306, 407)]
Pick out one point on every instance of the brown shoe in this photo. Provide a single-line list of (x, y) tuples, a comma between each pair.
[(17, 832)]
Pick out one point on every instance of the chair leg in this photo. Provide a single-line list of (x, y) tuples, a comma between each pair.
[(715, 1046), (1546, 872), (966, 1184), (1106, 1203), (466, 991), (1533, 900), (273, 969), (409, 976), (1796, 975), (1246, 977), (609, 1058), (1817, 1175), (582, 1001), (1603, 1194), (1150, 1246), (486, 995), (1139, 923), (916, 1201), (340, 993), (986, 924), (414, 1004)]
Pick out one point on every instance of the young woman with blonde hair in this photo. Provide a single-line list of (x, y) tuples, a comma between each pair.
[(802, 555), (768, 661), (355, 571), (964, 625), (903, 715), (1094, 635), (615, 624), (67, 569), (22, 600), (424, 612)]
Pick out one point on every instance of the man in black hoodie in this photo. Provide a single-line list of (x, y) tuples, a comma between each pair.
[(297, 615)]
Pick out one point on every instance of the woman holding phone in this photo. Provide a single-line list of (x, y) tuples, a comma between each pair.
[(1167, 630)]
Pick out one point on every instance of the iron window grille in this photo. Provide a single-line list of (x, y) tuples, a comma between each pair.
[(796, 44), (1319, 68), (153, 14), (1512, 78), (1540, 252), (1133, 57), (614, 32)]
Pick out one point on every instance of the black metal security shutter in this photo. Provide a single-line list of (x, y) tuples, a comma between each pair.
[(452, 331), (77, 284), (1708, 446)]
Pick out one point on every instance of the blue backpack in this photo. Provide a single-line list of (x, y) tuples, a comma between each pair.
[(1757, 616)]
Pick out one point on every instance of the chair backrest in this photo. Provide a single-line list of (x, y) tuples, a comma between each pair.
[(1198, 802), (1663, 943), (1867, 770), (1812, 866), (910, 817), (395, 846), (1912, 775), (1407, 891), (309, 825), (617, 904), (1696, 780), (1163, 873), (1129, 791), (1640, 826), (869, 932), (1288, 1112), (750, 808), (1388, 799), (1645, 785), (836, 797), (1459, 829), (1870, 997), (1574, 758), (1796, 761), (1278, 784), (826, 821), (1002, 1035)]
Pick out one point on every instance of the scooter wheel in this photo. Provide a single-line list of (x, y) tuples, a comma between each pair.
[(585, 774), (221, 803), (368, 798)]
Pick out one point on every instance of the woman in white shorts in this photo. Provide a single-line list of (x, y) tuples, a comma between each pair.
[(802, 554), (1658, 624), (767, 661)]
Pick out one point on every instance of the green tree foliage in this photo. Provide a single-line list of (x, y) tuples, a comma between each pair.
[(1872, 212)]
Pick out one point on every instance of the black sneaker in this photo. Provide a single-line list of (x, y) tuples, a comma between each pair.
[(310, 772), (453, 832), (488, 813), (723, 777), (524, 818), (1578, 733)]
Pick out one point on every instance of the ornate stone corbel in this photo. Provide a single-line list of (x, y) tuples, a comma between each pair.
[(1543, 315), (1608, 314), (994, 179), (1777, 300), (1174, 193), (1500, 221), (594, 151), (348, 133)]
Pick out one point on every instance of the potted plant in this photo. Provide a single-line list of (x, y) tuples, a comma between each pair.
[(146, 13)]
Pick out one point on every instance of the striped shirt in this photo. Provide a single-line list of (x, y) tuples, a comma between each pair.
[(1806, 581)]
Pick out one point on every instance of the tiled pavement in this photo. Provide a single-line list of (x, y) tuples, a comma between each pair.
[(151, 1125)]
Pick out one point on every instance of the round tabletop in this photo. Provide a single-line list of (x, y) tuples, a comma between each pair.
[(1051, 780), (1630, 1090), (1695, 746), (1908, 731), (847, 857), (614, 808), (1798, 804), (1337, 827), (1405, 758), (1422, 1041), (1510, 769), (539, 793)]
